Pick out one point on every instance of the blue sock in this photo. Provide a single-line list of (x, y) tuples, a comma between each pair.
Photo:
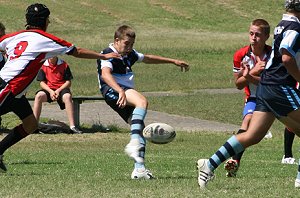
[(229, 149), (137, 125), (137, 122)]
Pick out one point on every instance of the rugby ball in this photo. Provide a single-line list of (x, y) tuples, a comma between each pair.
[(159, 133)]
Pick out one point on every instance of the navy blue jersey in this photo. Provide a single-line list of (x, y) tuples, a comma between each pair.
[(121, 68), (286, 36)]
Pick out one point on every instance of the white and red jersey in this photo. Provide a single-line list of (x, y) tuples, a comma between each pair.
[(245, 54), (26, 52)]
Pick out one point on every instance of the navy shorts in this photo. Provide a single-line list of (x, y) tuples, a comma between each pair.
[(111, 97), (278, 99), (59, 100)]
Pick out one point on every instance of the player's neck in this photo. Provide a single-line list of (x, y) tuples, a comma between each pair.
[(258, 50)]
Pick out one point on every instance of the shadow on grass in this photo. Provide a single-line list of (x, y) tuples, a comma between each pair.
[(56, 127), (28, 162)]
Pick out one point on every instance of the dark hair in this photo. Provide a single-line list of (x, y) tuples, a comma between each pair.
[(263, 24), (124, 31), (36, 15), (2, 29), (292, 5)]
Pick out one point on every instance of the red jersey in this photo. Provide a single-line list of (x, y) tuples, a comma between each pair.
[(26, 51), (245, 54), (55, 75)]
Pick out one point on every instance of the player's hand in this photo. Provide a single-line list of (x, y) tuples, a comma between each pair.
[(246, 70), (183, 65), (53, 95), (122, 99), (258, 68), (110, 55)]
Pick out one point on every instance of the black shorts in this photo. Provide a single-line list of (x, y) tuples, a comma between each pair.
[(19, 106), (278, 99), (59, 100), (8, 102), (111, 97)]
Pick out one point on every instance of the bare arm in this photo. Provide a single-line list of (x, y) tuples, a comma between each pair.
[(110, 81), (67, 84), (90, 54), (290, 64), (153, 59), (244, 77), (52, 93)]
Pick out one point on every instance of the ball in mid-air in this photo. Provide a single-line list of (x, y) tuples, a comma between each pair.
[(159, 133)]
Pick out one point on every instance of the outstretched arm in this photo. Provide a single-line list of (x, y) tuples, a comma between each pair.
[(153, 59), (90, 54)]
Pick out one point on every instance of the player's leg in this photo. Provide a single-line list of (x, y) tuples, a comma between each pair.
[(22, 109), (232, 165), (292, 121), (259, 126), (136, 147), (140, 104), (288, 145), (40, 97), (66, 98)]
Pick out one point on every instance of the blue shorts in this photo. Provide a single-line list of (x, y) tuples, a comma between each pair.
[(249, 107), (278, 99)]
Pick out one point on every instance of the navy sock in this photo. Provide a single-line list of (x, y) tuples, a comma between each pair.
[(12, 138)]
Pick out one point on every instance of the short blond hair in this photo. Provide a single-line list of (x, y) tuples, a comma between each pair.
[(263, 24), (124, 31)]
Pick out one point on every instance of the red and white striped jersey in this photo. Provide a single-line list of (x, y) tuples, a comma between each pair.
[(26, 52), (245, 54)]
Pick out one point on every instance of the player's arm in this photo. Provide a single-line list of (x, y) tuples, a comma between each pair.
[(67, 84), (52, 93), (290, 64), (153, 59), (90, 54), (246, 76), (110, 81)]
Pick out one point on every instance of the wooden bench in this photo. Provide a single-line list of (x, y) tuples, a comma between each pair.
[(77, 100)]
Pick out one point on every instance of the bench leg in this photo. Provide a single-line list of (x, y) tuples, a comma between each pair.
[(76, 104)]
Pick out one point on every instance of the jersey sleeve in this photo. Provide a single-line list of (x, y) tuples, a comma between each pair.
[(41, 75), (236, 62), (105, 63), (68, 74), (290, 42), (140, 56)]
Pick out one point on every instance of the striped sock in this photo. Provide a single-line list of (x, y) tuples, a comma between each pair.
[(137, 125), (230, 148)]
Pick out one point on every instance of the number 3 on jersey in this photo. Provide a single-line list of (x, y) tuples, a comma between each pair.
[(19, 49)]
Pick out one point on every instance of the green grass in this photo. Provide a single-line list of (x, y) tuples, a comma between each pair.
[(94, 165), (205, 33)]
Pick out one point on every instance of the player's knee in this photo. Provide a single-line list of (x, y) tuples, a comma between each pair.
[(143, 103), (67, 97), (40, 96)]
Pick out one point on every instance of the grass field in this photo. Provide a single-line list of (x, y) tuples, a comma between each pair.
[(205, 33), (94, 165)]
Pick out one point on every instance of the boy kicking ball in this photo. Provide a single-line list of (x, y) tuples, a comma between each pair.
[(116, 81)]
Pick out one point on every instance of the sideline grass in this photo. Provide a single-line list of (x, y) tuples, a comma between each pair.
[(94, 165)]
